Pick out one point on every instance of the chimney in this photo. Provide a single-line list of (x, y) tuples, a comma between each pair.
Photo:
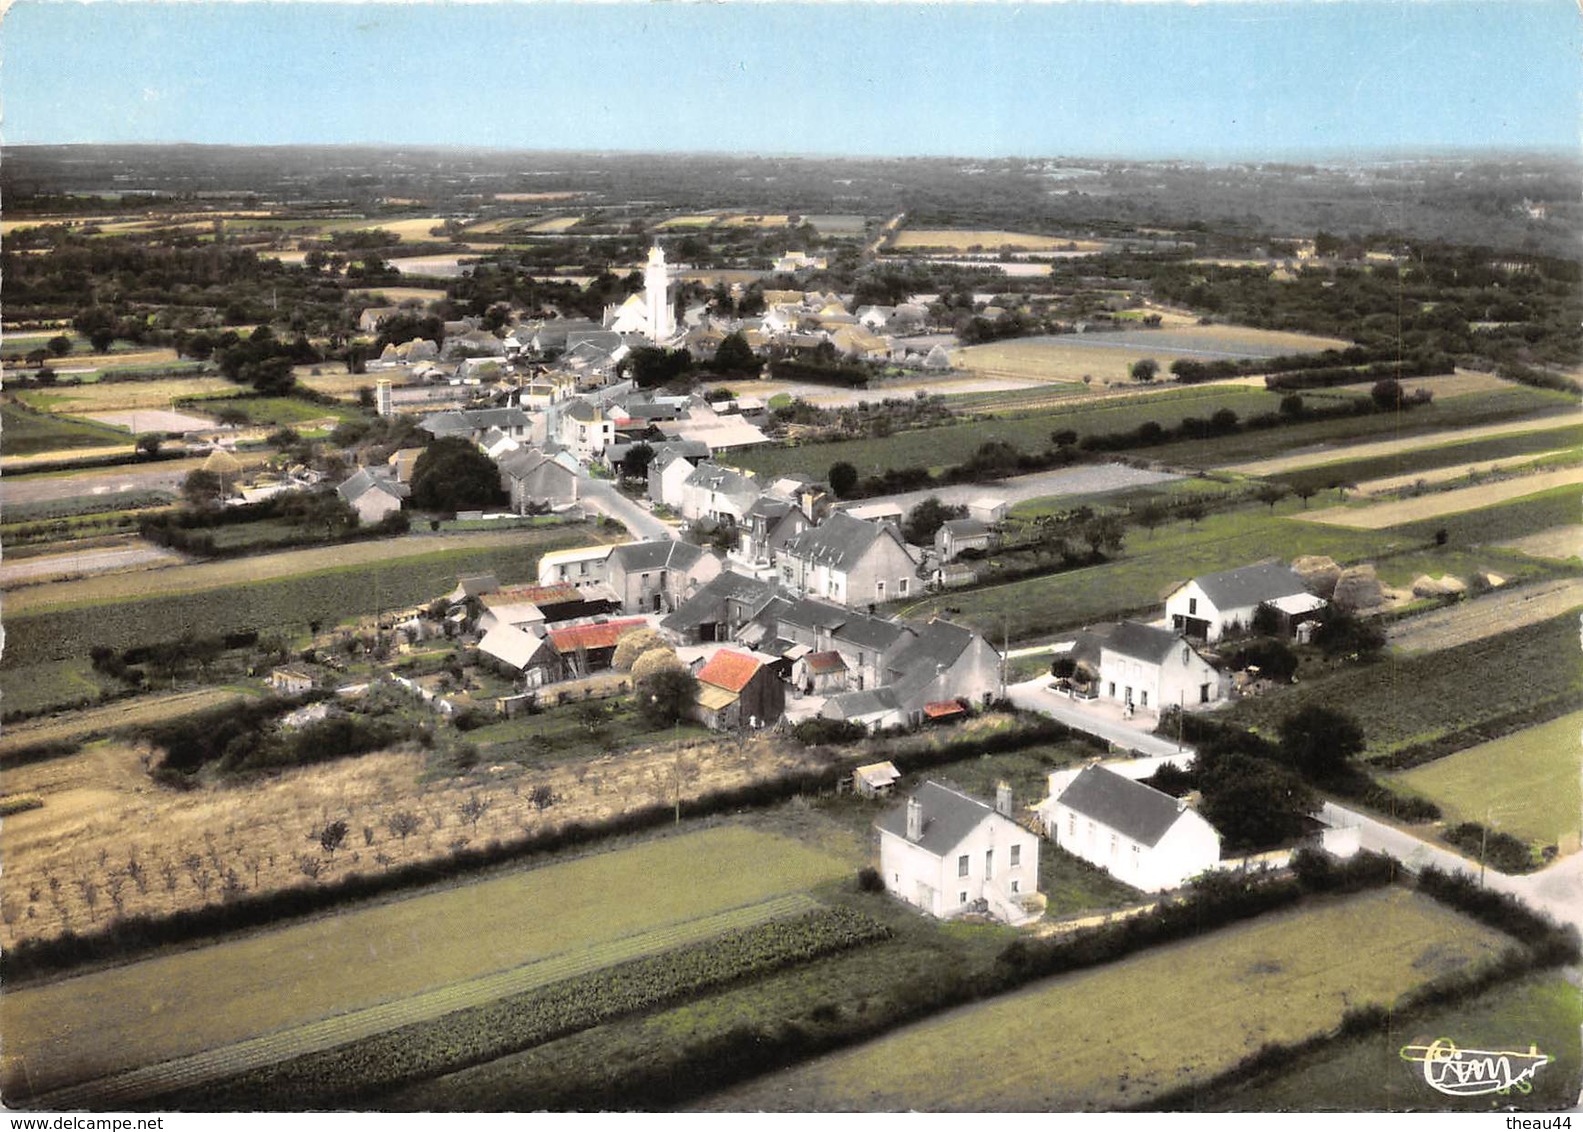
[(914, 820), (1003, 799)]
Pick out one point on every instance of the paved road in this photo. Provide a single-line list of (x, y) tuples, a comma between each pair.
[(197, 1069), (602, 496), (84, 562), (1557, 890), (1034, 695), (1084, 479)]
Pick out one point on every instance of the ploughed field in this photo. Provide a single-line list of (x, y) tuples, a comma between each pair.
[(1124, 1033)]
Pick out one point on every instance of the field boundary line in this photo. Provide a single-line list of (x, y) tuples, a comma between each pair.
[(133, 1085)]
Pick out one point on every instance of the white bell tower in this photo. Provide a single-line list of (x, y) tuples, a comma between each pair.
[(657, 298)]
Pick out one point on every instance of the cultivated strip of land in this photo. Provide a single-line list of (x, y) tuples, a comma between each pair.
[(1440, 475), (1377, 516), (212, 1065), (1336, 455), (1557, 542), (125, 714), (1486, 616)]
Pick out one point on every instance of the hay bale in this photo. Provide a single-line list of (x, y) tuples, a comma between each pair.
[(1318, 573), (1358, 588), (1447, 585)]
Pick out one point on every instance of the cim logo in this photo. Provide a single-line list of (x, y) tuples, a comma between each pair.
[(1475, 1072)]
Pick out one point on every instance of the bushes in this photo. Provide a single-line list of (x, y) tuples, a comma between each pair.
[(1500, 851), (816, 732), (422, 1050), (1547, 942)]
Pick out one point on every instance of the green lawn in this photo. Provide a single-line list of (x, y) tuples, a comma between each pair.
[(1403, 700), (562, 733), (1150, 564), (1367, 1074), (1153, 1022), (27, 433), (196, 999), (1525, 784)]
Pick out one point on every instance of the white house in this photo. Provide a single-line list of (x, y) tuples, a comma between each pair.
[(1137, 834), (1152, 668), (586, 430), (1211, 605), (580, 566), (849, 561), (950, 854)]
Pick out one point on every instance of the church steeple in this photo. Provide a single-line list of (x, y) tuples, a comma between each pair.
[(656, 297)]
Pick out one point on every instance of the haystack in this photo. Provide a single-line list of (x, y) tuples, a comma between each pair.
[(1447, 585), (1319, 573), (1358, 588)]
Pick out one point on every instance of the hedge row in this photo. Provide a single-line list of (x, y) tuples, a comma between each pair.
[(364, 1070), (1332, 376), (1405, 758)]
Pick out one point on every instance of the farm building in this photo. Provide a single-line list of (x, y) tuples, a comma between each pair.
[(659, 575), (589, 648), (371, 496), (1150, 668), (951, 854), (535, 480), (957, 535), (820, 673), (512, 652), (738, 690), (1212, 605), (290, 681), (1138, 834), (875, 780)]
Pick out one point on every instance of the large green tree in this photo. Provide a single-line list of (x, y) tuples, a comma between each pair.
[(453, 475), (1318, 742), (735, 357), (928, 517), (1253, 802)]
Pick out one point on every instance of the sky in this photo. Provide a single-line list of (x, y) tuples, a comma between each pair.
[(1239, 78)]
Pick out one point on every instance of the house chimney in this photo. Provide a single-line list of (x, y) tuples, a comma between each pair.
[(914, 820), (1003, 799)]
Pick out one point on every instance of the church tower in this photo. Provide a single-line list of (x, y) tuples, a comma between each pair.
[(656, 297)]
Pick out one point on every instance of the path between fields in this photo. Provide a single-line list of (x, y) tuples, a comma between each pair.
[(1486, 616), (135, 1085), (1334, 455), (85, 562), (1377, 516), (1388, 484), (262, 567)]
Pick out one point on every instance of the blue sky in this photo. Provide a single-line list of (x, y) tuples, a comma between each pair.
[(985, 79)]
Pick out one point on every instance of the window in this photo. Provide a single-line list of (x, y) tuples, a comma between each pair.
[(1115, 843), (961, 898), (901, 587), (1091, 831), (879, 591), (582, 567), (1203, 693), (961, 865), (989, 863), (1144, 697), (1192, 607), (1014, 856), (1016, 886), (1071, 825), (1112, 689), (1137, 857)]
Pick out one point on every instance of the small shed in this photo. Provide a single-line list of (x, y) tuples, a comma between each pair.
[(875, 780)]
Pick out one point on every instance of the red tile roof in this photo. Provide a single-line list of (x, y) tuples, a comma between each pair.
[(943, 708), (822, 662), (729, 670), (603, 636)]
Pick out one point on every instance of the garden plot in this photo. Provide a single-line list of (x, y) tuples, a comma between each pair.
[(1151, 1023), (1377, 516), (1486, 616), (174, 1005)]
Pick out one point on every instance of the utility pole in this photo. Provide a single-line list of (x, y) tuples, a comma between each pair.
[(1484, 837)]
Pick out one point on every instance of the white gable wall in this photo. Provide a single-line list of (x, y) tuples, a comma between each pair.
[(1188, 848), (1152, 686), (937, 884)]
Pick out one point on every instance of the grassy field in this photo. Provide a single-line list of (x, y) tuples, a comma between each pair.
[(52, 685), (59, 622), (1525, 784), (1367, 1074), (123, 715), (1405, 700), (1108, 356), (177, 1004), (29, 433), (1374, 516), (562, 733), (1150, 565), (950, 444), (1149, 1023), (275, 411), (974, 239), (110, 396), (1560, 543), (1503, 522)]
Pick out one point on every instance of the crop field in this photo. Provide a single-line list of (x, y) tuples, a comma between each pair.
[(1443, 384), (1497, 525), (1108, 356), (970, 239), (58, 622), (1525, 783), (145, 357), (51, 685), (755, 220), (387, 295), (951, 444), (152, 420), (1349, 458), (1555, 542), (555, 224), (1483, 617), (1147, 1024), (123, 715), (837, 225), (177, 1004), (441, 266), (276, 410), (29, 433), (1367, 1073), (1150, 565), (1404, 700), (694, 220), (1375, 516)]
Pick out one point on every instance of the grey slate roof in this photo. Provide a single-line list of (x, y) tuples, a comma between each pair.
[(362, 481), (728, 481), (1142, 642), (1130, 808), (709, 603), (657, 554), (937, 644), (1249, 585), (966, 528), (948, 817), (839, 542), (854, 705)]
